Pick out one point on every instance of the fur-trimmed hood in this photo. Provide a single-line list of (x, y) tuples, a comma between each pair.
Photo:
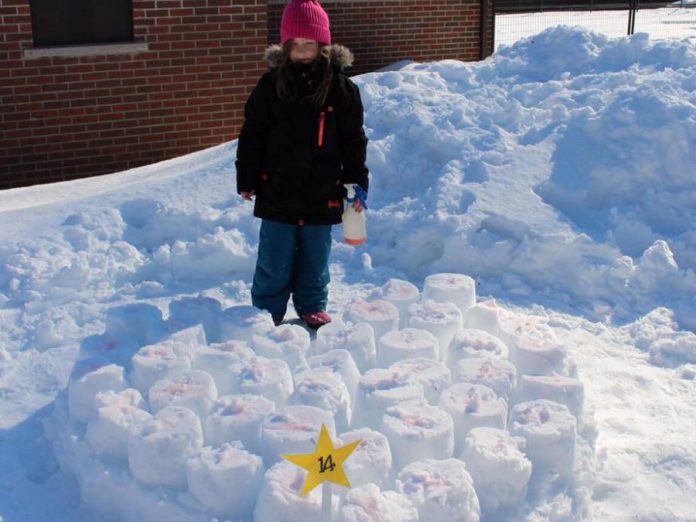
[(340, 55)]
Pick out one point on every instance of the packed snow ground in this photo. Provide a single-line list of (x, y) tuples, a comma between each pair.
[(558, 174)]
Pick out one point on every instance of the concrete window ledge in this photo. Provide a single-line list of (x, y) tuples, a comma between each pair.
[(70, 51)]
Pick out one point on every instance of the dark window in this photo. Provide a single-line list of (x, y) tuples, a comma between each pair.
[(62, 22)]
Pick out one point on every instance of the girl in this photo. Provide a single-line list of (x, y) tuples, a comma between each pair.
[(301, 141)]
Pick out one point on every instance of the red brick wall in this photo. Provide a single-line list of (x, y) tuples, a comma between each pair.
[(70, 117), (381, 32)]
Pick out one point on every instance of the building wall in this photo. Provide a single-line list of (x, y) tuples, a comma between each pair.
[(180, 88), (381, 32), (182, 84)]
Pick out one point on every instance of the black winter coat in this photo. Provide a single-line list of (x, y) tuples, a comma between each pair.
[(297, 156)]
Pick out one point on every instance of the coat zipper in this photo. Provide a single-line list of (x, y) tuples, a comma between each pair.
[(320, 140)]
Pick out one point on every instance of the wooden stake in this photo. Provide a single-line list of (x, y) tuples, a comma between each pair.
[(326, 494)]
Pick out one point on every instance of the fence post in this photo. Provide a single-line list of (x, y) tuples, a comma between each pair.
[(632, 8)]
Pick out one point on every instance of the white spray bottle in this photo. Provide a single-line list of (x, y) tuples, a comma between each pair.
[(354, 229)]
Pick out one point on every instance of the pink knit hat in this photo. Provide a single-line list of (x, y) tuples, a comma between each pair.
[(305, 19)]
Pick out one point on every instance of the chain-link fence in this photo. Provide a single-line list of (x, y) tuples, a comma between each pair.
[(517, 19)]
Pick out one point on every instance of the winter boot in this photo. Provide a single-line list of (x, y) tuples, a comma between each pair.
[(316, 320)]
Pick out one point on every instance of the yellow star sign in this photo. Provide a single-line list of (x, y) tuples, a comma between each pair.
[(326, 463)]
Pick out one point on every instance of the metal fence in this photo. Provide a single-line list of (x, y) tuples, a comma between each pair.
[(517, 19)]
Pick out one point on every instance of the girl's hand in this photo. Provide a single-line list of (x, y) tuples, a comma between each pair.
[(247, 195), (357, 206)]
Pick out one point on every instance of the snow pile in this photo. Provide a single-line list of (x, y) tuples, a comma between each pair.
[(436, 453), (564, 173)]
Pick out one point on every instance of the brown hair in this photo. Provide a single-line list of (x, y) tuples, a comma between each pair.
[(284, 84)]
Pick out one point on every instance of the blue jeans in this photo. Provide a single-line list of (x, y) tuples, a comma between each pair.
[(292, 260)]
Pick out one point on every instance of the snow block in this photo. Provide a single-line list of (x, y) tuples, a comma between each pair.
[(280, 496), (441, 490), (396, 345), (443, 320), (431, 374), (358, 339), (118, 351), (383, 316), (371, 460), (401, 294), (242, 322), (549, 430), (226, 480), (190, 311), (289, 342), (472, 406), (459, 289), (159, 361), (377, 390), (110, 427), (139, 321), (342, 363), (557, 388), (157, 455), (484, 316), (325, 390), (499, 469), (216, 360), (270, 378), (498, 374), (89, 377), (368, 503), (534, 356), (418, 432), (293, 430), (237, 417), (468, 343), (192, 389)]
